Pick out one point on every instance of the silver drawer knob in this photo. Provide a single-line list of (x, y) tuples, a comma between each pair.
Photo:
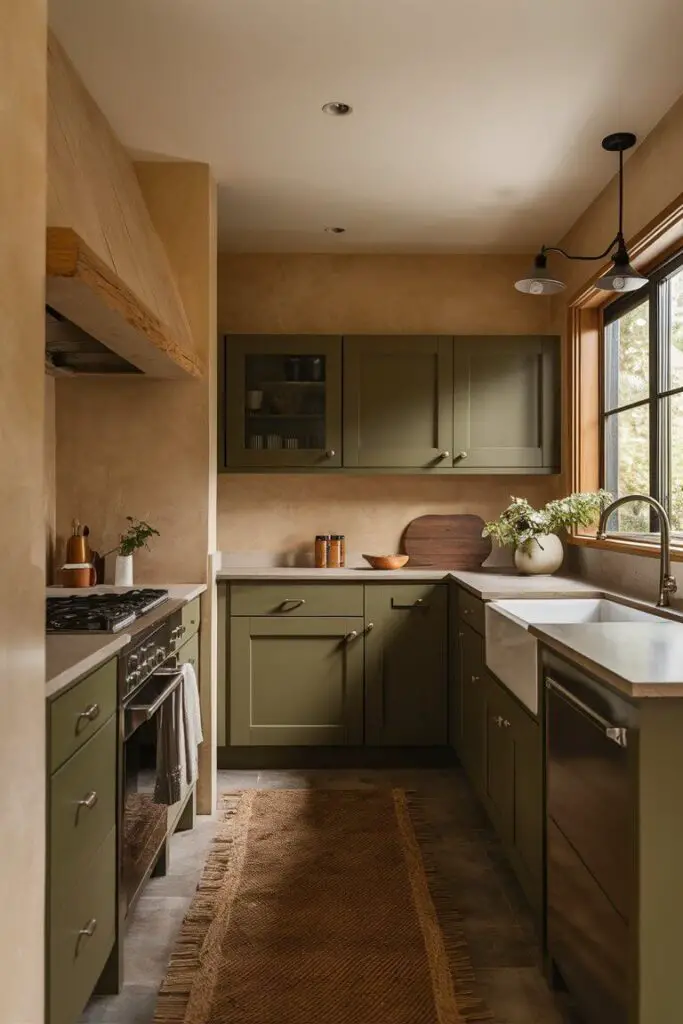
[(330, 453), (461, 455), (89, 801), (88, 715), (86, 932), (444, 455)]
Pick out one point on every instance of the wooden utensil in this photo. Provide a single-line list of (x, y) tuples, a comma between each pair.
[(446, 542), (386, 561)]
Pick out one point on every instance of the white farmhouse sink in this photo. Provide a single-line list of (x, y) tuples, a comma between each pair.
[(511, 653)]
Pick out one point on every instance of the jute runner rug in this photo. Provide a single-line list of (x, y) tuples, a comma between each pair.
[(315, 908)]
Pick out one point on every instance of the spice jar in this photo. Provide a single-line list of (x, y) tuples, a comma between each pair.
[(322, 542), (334, 552), (342, 551)]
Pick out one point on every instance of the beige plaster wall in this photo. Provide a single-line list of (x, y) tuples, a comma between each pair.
[(147, 447), (22, 528), (376, 295)]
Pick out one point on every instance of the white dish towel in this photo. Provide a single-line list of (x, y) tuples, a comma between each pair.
[(192, 722)]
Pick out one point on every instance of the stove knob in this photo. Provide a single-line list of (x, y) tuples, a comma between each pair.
[(133, 659), (133, 676), (160, 655)]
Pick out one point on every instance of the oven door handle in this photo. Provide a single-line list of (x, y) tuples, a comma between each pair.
[(615, 733), (143, 712)]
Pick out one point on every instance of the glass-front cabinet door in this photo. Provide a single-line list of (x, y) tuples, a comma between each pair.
[(282, 401)]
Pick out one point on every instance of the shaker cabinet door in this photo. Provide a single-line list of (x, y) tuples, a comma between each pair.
[(472, 706), (282, 401), (398, 402), (406, 665), (296, 682), (506, 403)]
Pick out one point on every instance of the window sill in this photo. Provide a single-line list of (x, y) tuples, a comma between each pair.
[(621, 545)]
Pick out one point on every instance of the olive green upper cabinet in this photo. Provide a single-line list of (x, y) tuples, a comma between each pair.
[(296, 681), (282, 401), (398, 402), (406, 659), (507, 404)]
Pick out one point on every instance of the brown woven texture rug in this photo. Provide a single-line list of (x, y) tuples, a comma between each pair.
[(315, 908)]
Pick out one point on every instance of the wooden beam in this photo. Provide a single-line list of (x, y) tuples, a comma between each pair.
[(85, 290)]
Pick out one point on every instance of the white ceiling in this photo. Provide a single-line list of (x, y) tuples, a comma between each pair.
[(476, 124)]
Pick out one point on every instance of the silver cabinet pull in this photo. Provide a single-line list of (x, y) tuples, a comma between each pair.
[(506, 724), (615, 733), (88, 715), (86, 932), (498, 719), (475, 679), (89, 800), (330, 453), (461, 455), (370, 626), (408, 607), (295, 602), (444, 454), (353, 635)]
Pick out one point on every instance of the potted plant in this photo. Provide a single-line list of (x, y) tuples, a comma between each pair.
[(136, 536), (534, 533)]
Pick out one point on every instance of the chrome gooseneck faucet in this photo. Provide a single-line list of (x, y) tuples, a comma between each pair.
[(667, 583)]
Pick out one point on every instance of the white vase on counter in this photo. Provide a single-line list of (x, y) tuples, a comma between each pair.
[(123, 571), (543, 557)]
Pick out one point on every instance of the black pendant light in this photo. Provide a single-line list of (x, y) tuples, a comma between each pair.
[(621, 277)]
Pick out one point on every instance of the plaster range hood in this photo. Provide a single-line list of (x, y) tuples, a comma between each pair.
[(70, 350), (97, 324)]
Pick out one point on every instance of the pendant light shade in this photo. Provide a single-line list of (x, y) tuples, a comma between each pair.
[(621, 277), (539, 280)]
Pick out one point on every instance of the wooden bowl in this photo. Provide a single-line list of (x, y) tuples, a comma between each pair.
[(386, 561)]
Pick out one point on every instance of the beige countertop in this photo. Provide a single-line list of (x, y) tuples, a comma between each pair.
[(488, 584), (68, 656), (638, 659)]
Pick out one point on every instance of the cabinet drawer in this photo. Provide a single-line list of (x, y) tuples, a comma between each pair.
[(76, 960), (471, 610), (82, 804), (190, 618), (296, 599), (80, 712)]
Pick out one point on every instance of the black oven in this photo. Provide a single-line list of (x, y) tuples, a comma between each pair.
[(149, 677)]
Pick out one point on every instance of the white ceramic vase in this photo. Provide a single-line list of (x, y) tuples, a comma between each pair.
[(123, 571), (544, 556)]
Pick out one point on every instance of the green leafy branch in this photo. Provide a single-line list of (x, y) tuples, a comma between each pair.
[(136, 536), (520, 523)]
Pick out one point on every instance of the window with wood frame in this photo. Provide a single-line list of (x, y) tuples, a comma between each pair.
[(642, 401)]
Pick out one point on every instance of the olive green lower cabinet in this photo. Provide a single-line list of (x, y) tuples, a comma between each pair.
[(406, 665), (334, 664), (296, 682), (500, 746), (82, 731)]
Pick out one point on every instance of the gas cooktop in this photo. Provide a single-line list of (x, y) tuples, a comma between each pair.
[(100, 613)]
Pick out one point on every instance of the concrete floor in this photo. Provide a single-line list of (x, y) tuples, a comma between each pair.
[(497, 925)]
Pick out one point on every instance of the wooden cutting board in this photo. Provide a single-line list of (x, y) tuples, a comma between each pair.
[(446, 542)]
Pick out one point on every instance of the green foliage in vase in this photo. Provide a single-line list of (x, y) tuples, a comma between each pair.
[(136, 536), (520, 523)]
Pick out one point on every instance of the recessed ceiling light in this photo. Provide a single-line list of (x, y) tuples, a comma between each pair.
[(337, 109), (335, 231)]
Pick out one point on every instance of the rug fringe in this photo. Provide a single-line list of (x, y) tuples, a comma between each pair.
[(470, 1005), (186, 958)]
